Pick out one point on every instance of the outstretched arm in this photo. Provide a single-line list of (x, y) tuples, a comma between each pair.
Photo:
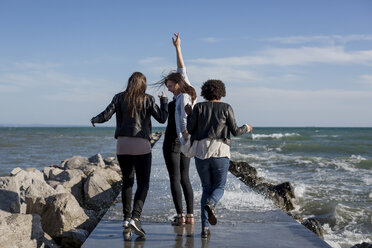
[(180, 64), (177, 44)]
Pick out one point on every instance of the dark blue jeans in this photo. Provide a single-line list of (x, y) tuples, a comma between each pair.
[(213, 175)]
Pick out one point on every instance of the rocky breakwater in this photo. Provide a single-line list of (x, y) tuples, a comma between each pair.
[(59, 206), (281, 194)]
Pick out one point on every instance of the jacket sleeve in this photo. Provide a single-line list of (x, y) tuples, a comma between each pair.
[(181, 117), (160, 114), (107, 113), (192, 120), (231, 123)]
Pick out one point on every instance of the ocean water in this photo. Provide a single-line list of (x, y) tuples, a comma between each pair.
[(330, 168)]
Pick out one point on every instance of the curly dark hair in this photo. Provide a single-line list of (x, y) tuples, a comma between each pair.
[(213, 89)]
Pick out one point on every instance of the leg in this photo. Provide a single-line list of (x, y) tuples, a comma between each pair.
[(127, 170), (219, 169), (142, 164), (172, 161), (186, 184), (202, 166)]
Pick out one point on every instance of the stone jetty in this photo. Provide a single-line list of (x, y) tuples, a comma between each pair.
[(59, 206)]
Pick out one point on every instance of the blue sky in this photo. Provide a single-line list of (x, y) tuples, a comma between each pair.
[(284, 63)]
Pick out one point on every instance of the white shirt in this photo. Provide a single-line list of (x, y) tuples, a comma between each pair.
[(210, 148), (180, 115)]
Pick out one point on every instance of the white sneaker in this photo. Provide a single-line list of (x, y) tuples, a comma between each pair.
[(137, 228), (126, 223)]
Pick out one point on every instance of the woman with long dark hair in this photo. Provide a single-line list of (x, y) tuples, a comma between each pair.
[(134, 109), (176, 136), (210, 124)]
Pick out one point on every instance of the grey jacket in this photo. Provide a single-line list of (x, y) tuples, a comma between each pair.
[(140, 125), (214, 120)]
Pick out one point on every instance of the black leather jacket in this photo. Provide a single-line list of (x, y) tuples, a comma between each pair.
[(214, 120), (140, 125)]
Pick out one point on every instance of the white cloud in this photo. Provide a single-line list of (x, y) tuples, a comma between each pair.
[(294, 56), (366, 79), (270, 107), (152, 60), (224, 73), (210, 40), (329, 39)]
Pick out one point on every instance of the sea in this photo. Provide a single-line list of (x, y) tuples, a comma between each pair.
[(330, 168)]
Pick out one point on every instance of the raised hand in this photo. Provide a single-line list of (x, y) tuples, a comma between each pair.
[(176, 40)]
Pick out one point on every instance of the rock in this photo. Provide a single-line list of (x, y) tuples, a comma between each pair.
[(111, 161), (362, 245), (39, 189), (245, 173), (9, 195), (35, 173), (48, 242), (112, 177), (72, 180), (74, 238), (281, 194), (59, 213), (15, 171), (76, 162), (32, 181), (51, 172), (20, 230), (97, 160), (313, 225), (98, 192), (31, 184)]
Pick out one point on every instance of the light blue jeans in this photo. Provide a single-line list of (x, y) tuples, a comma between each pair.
[(213, 175)]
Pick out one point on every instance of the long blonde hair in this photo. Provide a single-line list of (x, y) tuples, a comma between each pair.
[(135, 93)]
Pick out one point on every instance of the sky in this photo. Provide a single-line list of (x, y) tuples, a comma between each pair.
[(284, 63)]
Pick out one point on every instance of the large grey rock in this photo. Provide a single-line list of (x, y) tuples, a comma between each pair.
[(362, 245), (76, 162), (313, 225), (281, 194), (20, 230), (9, 195), (72, 180), (49, 242), (111, 176), (111, 161), (74, 238), (31, 182), (97, 160), (59, 213), (98, 192), (51, 172)]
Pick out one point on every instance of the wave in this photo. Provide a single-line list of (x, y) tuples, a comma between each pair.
[(293, 136)]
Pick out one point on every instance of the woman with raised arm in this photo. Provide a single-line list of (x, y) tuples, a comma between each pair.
[(176, 136), (134, 109), (210, 124)]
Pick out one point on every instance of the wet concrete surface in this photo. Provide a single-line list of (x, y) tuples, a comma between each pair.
[(245, 219)]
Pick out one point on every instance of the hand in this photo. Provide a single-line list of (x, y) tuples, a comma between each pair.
[(92, 123), (162, 94), (177, 41), (250, 128), (186, 135), (188, 109)]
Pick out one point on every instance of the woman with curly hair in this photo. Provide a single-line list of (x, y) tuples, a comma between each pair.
[(176, 136), (210, 124)]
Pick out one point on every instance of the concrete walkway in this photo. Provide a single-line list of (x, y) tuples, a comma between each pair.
[(260, 229), (243, 220)]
